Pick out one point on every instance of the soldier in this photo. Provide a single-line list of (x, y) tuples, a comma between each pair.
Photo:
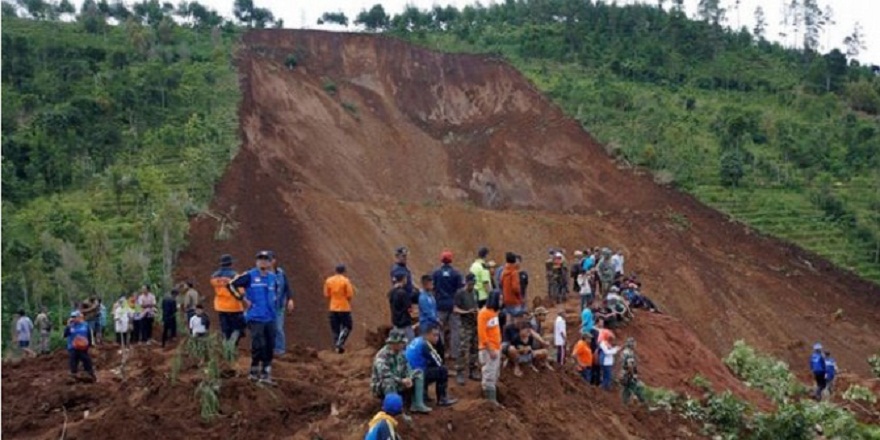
[(466, 306), (605, 268), (391, 373), (630, 375)]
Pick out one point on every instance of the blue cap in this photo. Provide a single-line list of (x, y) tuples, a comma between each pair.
[(75, 314), (393, 404)]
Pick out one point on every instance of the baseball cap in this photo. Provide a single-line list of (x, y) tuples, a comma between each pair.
[(75, 314), (446, 256), (392, 404), (264, 255)]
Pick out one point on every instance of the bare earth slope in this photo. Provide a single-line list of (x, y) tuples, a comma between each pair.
[(370, 143)]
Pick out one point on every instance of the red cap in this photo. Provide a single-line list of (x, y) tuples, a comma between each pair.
[(446, 256)]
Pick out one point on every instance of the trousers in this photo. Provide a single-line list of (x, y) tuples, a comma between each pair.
[(491, 369), (338, 322), (262, 344)]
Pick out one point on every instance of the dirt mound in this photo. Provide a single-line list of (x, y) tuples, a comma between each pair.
[(370, 143)]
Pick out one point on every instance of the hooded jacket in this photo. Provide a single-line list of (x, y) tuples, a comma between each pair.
[(382, 427)]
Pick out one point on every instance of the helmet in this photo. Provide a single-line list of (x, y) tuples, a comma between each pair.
[(817, 346), (392, 404)]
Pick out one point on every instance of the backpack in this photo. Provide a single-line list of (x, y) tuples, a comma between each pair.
[(80, 343)]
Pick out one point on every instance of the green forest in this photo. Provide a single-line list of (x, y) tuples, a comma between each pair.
[(118, 119), (783, 138)]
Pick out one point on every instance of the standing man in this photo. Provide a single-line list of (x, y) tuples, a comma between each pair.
[(489, 334), (44, 327), (630, 373), (79, 339), (283, 300), (24, 328), (606, 271), (482, 276), (399, 268), (817, 366), (339, 290), (260, 288), (466, 308), (169, 316), (511, 288), (447, 281), (191, 299), (428, 316), (147, 302), (399, 300), (228, 302), (560, 334)]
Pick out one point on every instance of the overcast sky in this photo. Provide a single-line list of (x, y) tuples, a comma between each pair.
[(846, 13)]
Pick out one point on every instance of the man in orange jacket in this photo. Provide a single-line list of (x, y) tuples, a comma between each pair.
[(489, 335), (228, 304), (339, 290)]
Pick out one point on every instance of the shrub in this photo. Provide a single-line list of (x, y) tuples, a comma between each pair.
[(762, 372), (661, 398), (330, 87), (290, 61), (874, 362), (726, 412), (857, 392)]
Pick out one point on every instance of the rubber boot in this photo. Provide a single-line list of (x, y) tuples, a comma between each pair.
[(418, 403), (443, 399), (491, 396)]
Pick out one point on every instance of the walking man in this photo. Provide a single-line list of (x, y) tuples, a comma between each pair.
[(466, 308), (339, 290), (817, 366), (283, 301), (447, 281), (228, 302), (260, 288)]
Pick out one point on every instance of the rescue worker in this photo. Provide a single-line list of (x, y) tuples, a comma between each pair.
[(228, 303), (260, 289), (339, 290), (383, 426), (629, 378), (489, 335), (817, 366), (391, 373), (466, 306)]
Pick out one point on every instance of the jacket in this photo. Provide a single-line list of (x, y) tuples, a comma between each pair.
[(77, 329), (225, 301), (510, 286), (817, 363), (420, 354), (830, 368), (389, 369), (427, 311), (447, 281), (260, 290), (339, 291), (382, 427), (398, 268), (282, 288), (400, 307)]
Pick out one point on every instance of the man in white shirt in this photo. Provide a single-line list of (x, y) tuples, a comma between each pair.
[(559, 334), (199, 323), (617, 262), (606, 353)]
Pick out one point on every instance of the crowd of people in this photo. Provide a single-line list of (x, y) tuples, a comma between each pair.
[(480, 325)]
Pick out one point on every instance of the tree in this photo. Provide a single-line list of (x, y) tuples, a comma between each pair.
[(827, 23), (252, 16), (375, 19), (334, 17), (855, 42), (813, 23), (760, 24), (711, 11), (9, 10), (91, 18)]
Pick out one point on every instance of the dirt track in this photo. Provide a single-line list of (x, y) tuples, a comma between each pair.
[(438, 151)]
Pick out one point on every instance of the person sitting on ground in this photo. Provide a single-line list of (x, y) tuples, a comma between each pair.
[(537, 320), (521, 350), (629, 378), (817, 366), (615, 311), (635, 299), (79, 340), (583, 356), (383, 426), (199, 323), (390, 373), (830, 372), (422, 356)]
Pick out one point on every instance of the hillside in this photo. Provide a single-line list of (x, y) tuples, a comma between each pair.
[(430, 150)]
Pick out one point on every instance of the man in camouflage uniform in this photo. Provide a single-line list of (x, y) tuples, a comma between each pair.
[(466, 306), (391, 373), (630, 374), (606, 271)]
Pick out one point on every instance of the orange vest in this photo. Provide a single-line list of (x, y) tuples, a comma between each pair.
[(223, 299)]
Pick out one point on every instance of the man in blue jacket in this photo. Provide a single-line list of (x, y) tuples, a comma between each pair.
[(79, 340), (830, 372), (283, 302), (383, 426), (428, 315), (817, 366), (447, 281), (260, 290), (400, 268), (422, 356)]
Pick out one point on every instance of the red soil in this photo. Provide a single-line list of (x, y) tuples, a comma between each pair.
[(437, 151)]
